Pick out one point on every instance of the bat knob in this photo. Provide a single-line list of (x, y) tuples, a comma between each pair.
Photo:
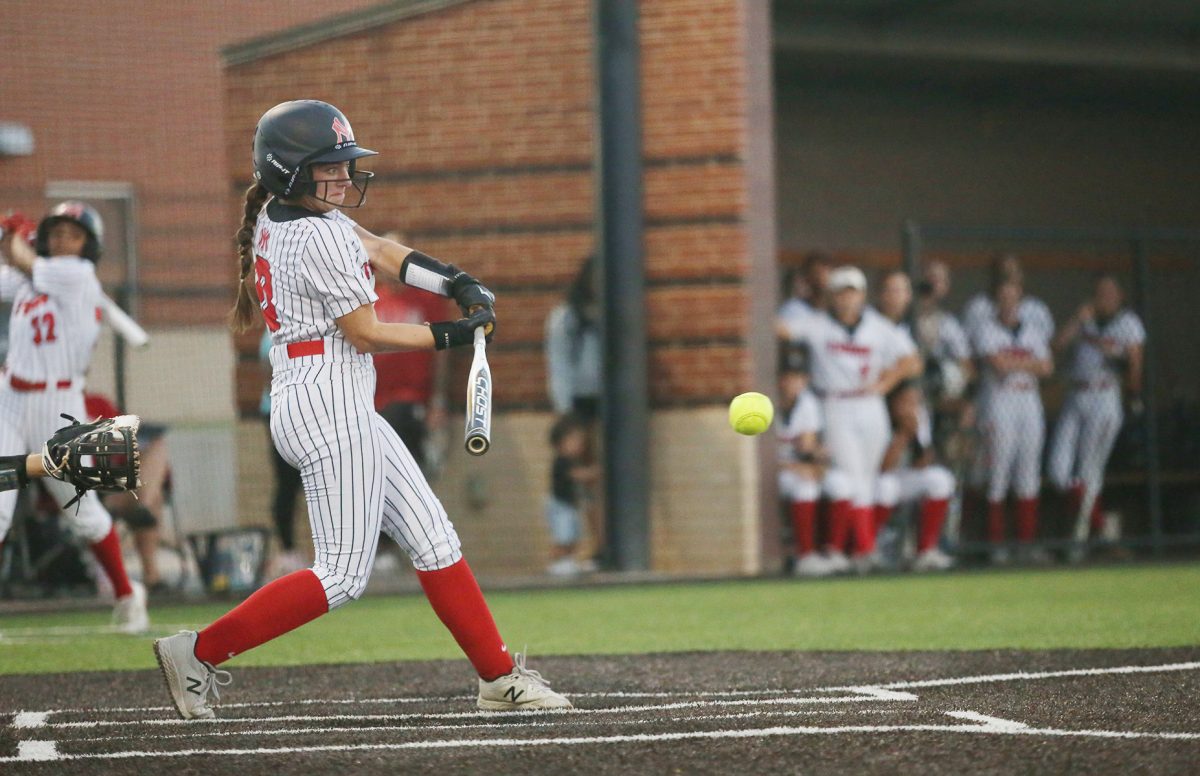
[(478, 445)]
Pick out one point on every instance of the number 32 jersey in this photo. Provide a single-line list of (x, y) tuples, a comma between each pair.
[(55, 318)]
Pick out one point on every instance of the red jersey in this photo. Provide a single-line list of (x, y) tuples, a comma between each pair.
[(406, 376)]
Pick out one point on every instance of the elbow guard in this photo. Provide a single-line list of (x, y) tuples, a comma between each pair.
[(427, 273)]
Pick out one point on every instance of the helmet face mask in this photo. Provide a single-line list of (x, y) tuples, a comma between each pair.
[(293, 136), (359, 179), (82, 215)]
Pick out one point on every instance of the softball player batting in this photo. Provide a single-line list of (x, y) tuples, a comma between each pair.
[(1105, 340), (52, 330), (1015, 356), (857, 357), (309, 269)]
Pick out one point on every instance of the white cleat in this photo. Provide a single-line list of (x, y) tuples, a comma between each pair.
[(837, 562), (933, 559), (812, 565), (518, 690), (189, 679), (129, 613)]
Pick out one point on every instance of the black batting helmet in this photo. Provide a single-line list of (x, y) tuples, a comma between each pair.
[(79, 213), (293, 135)]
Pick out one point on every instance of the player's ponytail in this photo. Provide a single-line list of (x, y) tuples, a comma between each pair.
[(245, 310)]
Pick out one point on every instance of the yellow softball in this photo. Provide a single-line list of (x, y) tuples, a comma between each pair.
[(751, 413)]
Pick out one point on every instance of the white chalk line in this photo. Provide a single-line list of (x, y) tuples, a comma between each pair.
[(224, 721), (1024, 676), (420, 729), (868, 692), (991, 728)]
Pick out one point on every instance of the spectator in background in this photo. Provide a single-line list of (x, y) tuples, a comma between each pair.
[(1104, 340), (287, 485), (573, 372), (573, 474), (1015, 356), (143, 513), (410, 390)]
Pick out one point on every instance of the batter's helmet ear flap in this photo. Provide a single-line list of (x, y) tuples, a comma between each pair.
[(80, 214)]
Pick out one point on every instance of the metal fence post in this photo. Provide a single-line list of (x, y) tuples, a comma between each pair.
[(1149, 399)]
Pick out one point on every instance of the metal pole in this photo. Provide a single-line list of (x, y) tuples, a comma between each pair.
[(1149, 398), (625, 407)]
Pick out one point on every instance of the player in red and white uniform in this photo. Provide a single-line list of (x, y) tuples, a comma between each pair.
[(52, 331), (1015, 356), (802, 462), (1104, 340), (857, 357), (911, 473), (981, 308), (309, 269)]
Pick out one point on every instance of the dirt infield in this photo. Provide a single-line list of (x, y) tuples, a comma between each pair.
[(953, 712)]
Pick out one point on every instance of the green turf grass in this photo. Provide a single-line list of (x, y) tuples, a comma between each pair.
[(1133, 606)]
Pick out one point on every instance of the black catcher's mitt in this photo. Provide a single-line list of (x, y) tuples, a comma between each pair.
[(102, 455)]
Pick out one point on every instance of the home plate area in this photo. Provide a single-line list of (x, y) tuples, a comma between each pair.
[(1097, 711)]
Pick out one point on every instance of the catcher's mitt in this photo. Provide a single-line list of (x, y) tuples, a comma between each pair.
[(102, 455)]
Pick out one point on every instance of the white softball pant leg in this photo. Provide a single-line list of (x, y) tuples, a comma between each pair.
[(856, 433), (797, 488), (1015, 433)]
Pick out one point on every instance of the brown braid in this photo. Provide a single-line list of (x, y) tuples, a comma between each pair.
[(245, 310)]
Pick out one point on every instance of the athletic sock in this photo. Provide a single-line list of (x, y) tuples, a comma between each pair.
[(933, 515), (863, 524), (274, 609), (995, 522), (882, 513), (1097, 516), (1074, 501), (108, 553), (1027, 519), (839, 525), (804, 527), (458, 602)]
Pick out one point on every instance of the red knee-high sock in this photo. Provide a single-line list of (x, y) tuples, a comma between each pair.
[(276, 608), (839, 525), (455, 597), (1074, 501), (804, 527), (108, 553), (882, 513), (995, 521), (1027, 519), (1097, 516), (863, 522), (933, 515)]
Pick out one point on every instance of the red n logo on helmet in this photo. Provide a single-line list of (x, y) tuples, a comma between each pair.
[(342, 129)]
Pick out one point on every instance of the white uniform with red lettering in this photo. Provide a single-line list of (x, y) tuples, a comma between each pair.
[(358, 476), (1092, 415), (1010, 410), (52, 331), (846, 363)]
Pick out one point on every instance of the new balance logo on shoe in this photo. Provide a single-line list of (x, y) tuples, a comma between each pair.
[(511, 694), (194, 685)]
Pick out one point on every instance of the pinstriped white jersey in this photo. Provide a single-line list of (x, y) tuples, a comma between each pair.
[(55, 318), (1090, 361), (850, 359), (309, 270)]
